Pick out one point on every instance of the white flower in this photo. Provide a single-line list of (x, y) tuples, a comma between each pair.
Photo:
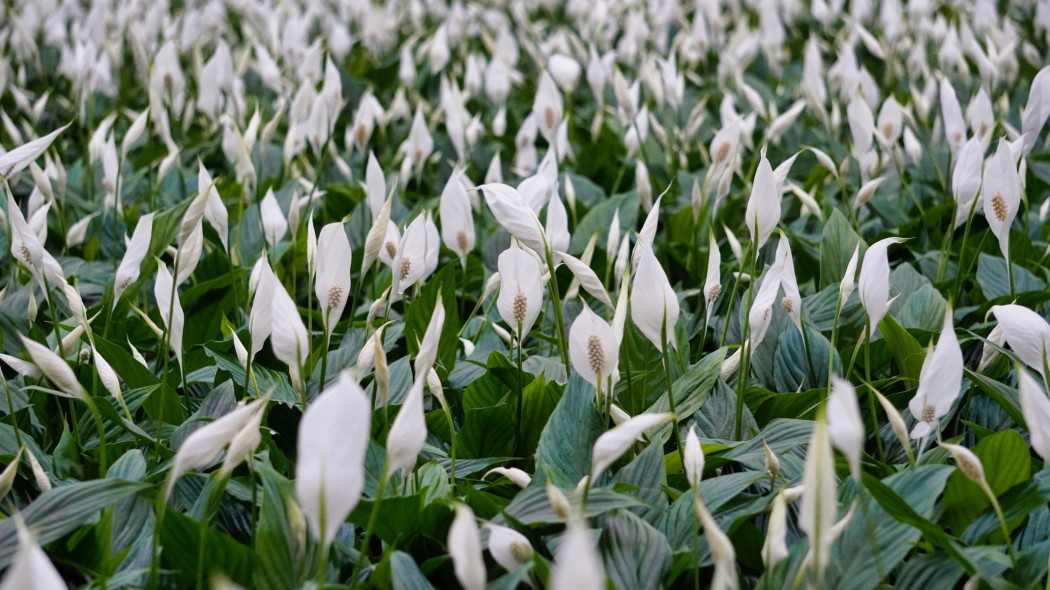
[(847, 284), (875, 282), (457, 218), (1036, 408), (204, 446), (586, 276), (1036, 110), (407, 432), (722, 551), (966, 178), (517, 476), (763, 208), (845, 426), (428, 348), (654, 304), (775, 547), (694, 458), (170, 309), (511, 211), (577, 565), (1027, 333), (521, 290), (17, 159), (509, 548), (332, 284), (565, 71), (615, 442), (55, 369), (1001, 195), (954, 124), (31, 569), (548, 107), (819, 498), (288, 337), (128, 270), (275, 226), (330, 470), (464, 545), (939, 382), (713, 283), (967, 462), (109, 378), (593, 348)]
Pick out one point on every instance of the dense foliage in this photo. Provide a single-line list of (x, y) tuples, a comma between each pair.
[(490, 294)]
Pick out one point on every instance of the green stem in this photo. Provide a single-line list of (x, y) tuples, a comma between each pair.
[(1010, 275), (363, 554), (324, 355), (670, 393), (745, 343), (517, 423), (960, 272), (154, 555), (452, 436), (831, 345), (1002, 519), (552, 286), (101, 435), (946, 244), (871, 396)]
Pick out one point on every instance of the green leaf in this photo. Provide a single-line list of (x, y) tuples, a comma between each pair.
[(793, 368), (836, 248), (531, 506), (1007, 462), (600, 216), (180, 536), (131, 372), (399, 516), (781, 435), (648, 474), (635, 554), (564, 449), (678, 521), (61, 510), (994, 280), (1019, 502), (487, 432), (283, 558), (406, 574), (907, 351), (690, 391), (874, 544), (923, 309), (900, 510), (1002, 394)]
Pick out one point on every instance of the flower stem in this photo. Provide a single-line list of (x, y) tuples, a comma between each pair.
[(552, 286), (363, 553), (745, 342), (1002, 519), (831, 343), (517, 423), (324, 358), (670, 395), (871, 396), (961, 270)]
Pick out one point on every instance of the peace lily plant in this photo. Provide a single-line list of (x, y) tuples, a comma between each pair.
[(593, 294)]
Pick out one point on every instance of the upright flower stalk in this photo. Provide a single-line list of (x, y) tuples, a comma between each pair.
[(655, 309)]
